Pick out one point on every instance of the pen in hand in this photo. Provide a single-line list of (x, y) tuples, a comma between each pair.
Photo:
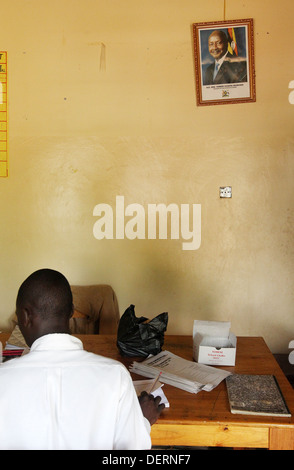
[(154, 383)]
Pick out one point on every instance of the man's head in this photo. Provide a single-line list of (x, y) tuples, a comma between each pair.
[(44, 304), (217, 44)]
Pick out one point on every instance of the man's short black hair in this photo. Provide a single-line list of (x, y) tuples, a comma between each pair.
[(48, 292)]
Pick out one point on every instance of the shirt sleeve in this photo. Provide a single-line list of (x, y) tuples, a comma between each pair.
[(132, 428)]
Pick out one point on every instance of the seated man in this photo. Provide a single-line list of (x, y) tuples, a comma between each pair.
[(60, 396)]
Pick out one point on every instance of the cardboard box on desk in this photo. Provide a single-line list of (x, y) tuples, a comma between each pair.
[(213, 343)]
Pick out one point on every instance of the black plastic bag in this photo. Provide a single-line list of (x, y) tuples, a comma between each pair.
[(138, 336)]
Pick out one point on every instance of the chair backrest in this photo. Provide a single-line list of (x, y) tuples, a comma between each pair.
[(96, 310)]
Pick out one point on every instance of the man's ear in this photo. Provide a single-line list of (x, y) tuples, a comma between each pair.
[(25, 317)]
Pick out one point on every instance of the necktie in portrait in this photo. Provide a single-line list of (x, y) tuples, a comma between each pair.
[(215, 70)]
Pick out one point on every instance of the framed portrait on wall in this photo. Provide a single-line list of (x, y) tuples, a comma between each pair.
[(224, 62)]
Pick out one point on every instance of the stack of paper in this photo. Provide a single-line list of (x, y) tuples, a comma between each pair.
[(16, 340), (16, 345), (179, 372)]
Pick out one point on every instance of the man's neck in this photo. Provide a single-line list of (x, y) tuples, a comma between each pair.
[(47, 329)]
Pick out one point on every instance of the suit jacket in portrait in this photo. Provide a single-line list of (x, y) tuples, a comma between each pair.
[(232, 70)]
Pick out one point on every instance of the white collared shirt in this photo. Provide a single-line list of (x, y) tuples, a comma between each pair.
[(60, 396)]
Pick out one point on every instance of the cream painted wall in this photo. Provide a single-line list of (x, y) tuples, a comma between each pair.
[(88, 123)]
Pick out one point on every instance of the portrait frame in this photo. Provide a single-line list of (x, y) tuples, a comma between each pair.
[(235, 80)]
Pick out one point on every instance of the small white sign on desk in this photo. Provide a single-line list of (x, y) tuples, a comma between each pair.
[(213, 343)]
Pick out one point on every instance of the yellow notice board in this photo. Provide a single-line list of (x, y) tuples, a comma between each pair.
[(3, 116)]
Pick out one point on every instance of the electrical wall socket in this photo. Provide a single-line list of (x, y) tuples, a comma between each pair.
[(225, 191)]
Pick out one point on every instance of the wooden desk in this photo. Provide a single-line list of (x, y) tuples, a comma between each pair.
[(204, 419)]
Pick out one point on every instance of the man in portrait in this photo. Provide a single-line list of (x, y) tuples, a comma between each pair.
[(227, 66)]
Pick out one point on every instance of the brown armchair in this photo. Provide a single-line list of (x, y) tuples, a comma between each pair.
[(96, 310)]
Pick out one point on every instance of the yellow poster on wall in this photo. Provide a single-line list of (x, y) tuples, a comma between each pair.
[(3, 116)]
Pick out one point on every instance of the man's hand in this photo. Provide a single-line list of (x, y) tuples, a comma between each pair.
[(150, 407)]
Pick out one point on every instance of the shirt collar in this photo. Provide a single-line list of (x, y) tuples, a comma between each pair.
[(220, 61), (57, 341)]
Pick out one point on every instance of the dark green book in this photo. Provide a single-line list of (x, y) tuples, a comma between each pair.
[(256, 395)]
